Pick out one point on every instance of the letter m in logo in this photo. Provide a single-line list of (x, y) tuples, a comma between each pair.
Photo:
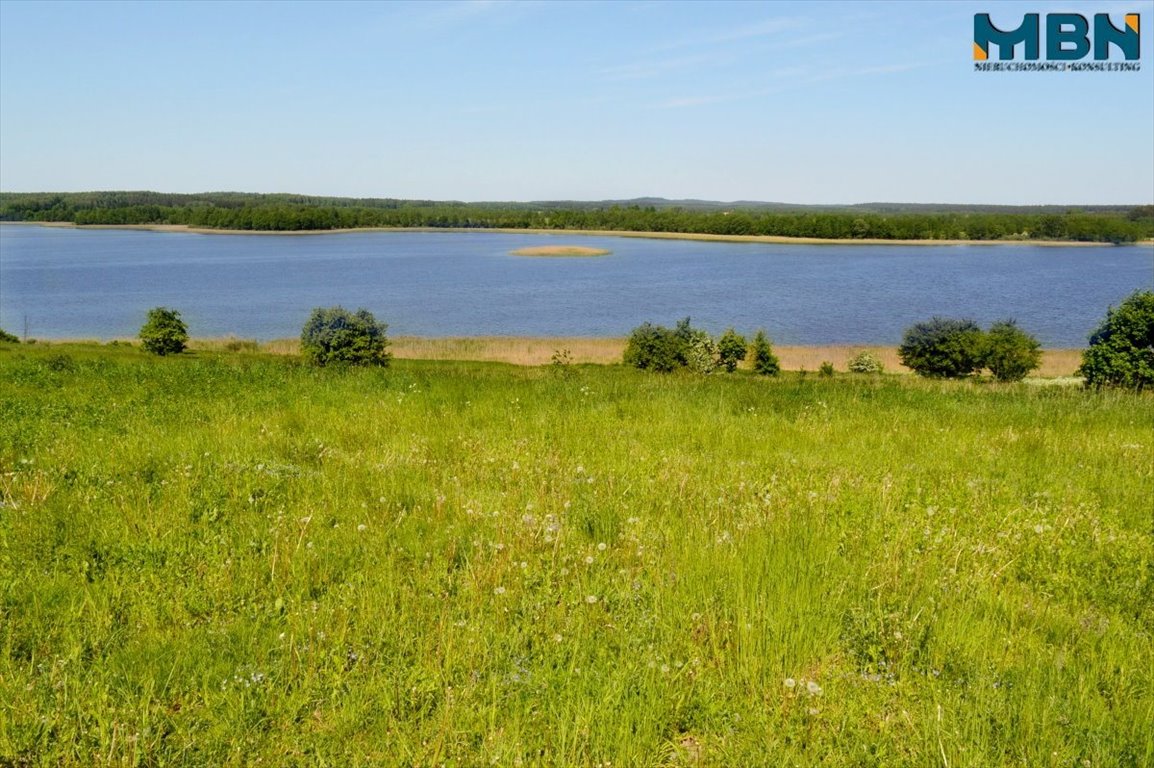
[(985, 33)]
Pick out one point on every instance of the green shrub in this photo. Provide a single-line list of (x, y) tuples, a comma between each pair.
[(700, 352), (657, 348), (865, 362), (8, 338), (731, 350), (943, 348), (335, 336), (765, 362), (1011, 353), (164, 333), (826, 369), (654, 348), (1121, 351)]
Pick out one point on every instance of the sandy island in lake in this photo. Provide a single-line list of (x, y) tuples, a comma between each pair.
[(560, 250)]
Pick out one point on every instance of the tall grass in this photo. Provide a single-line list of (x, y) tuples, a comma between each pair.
[(229, 557)]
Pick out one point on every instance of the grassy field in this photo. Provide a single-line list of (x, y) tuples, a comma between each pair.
[(228, 558)]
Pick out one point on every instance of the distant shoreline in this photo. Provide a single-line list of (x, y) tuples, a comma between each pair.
[(765, 239)]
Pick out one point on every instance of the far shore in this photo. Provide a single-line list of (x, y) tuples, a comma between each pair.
[(535, 351), (768, 239)]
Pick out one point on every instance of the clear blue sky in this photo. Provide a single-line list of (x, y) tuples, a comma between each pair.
[(795, 102)]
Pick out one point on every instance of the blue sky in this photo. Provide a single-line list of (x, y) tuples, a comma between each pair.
[(794, 102)]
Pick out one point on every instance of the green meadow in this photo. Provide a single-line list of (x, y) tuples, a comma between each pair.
[(232, 558)]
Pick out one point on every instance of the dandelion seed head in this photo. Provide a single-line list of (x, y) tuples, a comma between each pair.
[(790, 682)]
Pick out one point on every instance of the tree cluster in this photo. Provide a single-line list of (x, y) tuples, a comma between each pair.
[(946, 348), (657, 348), (296, 212)]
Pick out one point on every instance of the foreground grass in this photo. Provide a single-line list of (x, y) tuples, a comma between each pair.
[(231, 558)]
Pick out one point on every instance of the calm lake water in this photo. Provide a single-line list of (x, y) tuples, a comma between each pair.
[(69, 283)]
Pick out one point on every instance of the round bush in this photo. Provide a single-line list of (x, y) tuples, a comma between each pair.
[(943, 348), (1121, 352), (731, 350), (1011, 353), (654, 348), (865, 362), (335, 336), (164, 333)]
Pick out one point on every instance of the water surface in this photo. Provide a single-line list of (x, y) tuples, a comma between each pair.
[(74, 283)]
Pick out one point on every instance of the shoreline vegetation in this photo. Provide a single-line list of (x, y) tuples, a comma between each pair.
[(867, 223), (698, 236), (1058, 364)]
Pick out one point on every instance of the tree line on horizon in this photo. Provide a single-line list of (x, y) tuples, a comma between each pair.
[(286, 213)]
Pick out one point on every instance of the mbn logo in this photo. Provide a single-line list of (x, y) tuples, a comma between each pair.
[(1067, 37)]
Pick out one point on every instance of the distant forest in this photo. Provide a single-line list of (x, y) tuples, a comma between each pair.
[(886, 221)]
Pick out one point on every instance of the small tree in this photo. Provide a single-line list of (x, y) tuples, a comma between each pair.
[(164, 333), (1011, 353), (731, 350), (334, 335), (865, 362), (765, 362), (700, 352), (943, 348), (8, 338), (1121, 351)]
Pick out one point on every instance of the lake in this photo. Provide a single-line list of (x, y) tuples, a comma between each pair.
[(98, 284)]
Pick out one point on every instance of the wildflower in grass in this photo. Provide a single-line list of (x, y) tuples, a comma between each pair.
[(499, 591), (591, 599), (601, 547), (813, 688), (589, 560), (362, 527), (790, 682)]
